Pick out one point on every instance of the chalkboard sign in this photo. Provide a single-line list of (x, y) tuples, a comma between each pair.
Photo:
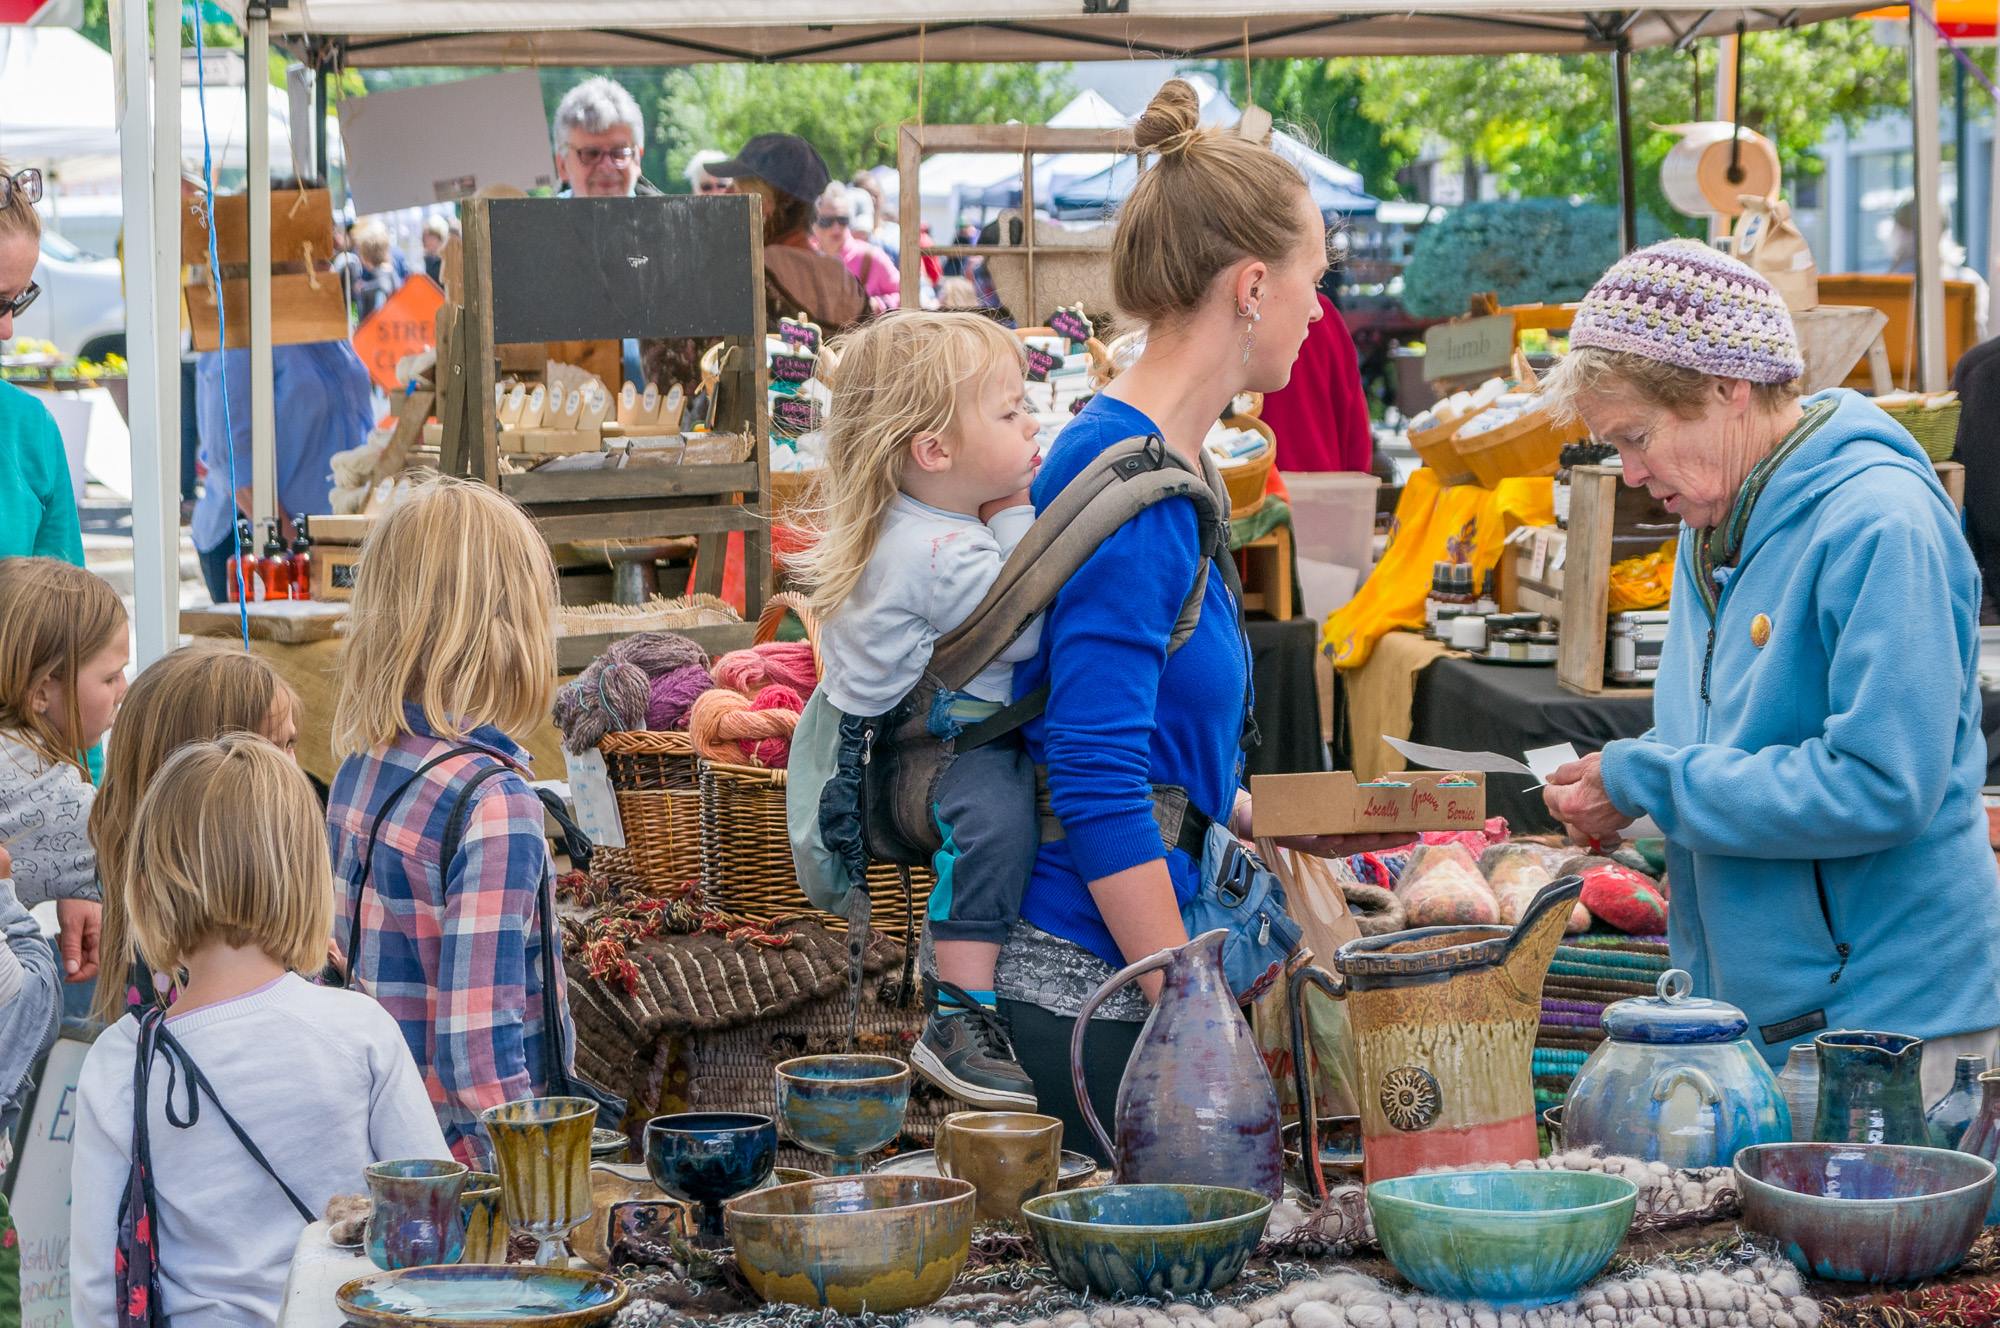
[(793, 368), (595, 269), (40, 1198), (797, 335), (795, 415), (1040, 364), (1071, 325)]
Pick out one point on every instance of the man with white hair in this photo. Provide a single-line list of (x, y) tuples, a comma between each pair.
[(599, 138), (698, 178)]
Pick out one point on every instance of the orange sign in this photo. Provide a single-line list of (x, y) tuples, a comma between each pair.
[(404, 325)]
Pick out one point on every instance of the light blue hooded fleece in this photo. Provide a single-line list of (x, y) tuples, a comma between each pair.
[(1826, 841)]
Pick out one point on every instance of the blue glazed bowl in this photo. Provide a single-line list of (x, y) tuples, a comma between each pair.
[(1513, 1238), (1865, 1212), (1147, 1240), (843, 1107), (706, 1157)]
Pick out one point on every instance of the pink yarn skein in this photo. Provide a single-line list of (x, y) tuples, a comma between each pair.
[(775, 663)]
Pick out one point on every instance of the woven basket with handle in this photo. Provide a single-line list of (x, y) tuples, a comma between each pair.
[(659, 806), (746, 849)]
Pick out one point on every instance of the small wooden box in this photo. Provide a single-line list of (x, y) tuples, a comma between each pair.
[(336, 551)]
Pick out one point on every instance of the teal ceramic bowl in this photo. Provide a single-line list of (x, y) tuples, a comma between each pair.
[(1147, 1240), (1511, 1238)]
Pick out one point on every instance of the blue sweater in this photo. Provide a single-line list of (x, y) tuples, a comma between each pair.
[(1825, 837), (1123, 715)]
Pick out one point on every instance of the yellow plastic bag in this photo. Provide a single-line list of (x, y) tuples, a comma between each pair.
[(1645, 582)]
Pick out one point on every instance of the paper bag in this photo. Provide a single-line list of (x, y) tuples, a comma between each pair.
[(1769, 242), (1317, 903)]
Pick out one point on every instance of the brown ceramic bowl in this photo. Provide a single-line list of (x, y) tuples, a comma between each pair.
[(879, 1243)]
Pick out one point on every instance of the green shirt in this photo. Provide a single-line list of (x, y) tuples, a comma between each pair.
[(37, 508)]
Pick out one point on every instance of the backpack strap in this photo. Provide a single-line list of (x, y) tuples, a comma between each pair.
[(353, 951)]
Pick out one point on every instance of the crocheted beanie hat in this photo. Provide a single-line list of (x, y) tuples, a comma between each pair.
[(1684, 303)]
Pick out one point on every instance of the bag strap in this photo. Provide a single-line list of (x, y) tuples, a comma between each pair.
[(353, 950), (154, 1039)]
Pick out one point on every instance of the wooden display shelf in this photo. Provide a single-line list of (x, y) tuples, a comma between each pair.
[(1267, 574), (1608, 523)]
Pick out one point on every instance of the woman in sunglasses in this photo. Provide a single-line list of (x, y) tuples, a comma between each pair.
[(37, 506)]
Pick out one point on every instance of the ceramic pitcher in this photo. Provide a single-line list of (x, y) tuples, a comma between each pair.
[(1196, 1105), (1982, 1137), (1871, 1089), (1444, 1023)]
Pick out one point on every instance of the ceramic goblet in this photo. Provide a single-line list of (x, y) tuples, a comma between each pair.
[(843, 1107), (485, 1224), (416, 1219), (541, 1148), (705, 1157)]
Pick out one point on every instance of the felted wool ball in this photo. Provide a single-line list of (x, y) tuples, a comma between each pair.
[(1442, 887), (1619, 896)]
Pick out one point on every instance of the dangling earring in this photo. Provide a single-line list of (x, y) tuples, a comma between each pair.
[(1249, 333)]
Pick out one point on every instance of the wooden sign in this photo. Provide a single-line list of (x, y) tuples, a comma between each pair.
[(406, 324), (305, 307), (799, 335), (795, 415), (1041, 364), (1477, 347), (793, 368), (1071, 324)]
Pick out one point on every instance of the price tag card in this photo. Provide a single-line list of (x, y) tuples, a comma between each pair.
[(793, 368), (1041, 364), (592, 800), (799, 335), (1538, 560), (1071, 324)]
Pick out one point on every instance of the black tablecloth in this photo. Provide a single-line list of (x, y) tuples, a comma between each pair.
[(1495, 708), (1287, 709)]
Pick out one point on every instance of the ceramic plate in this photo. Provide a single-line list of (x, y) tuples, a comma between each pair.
[(1075, 1169), (482, 1296)]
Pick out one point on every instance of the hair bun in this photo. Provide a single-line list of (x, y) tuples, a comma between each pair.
[(1170, 121)]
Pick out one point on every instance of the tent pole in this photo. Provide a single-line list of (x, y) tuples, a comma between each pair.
[(1993, 205), (321, 168), (150, 163), (1628, 184), (263, 426), (1931, 368), (1728, 51)]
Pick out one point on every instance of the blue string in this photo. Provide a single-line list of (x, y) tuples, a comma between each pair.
[(193, 7)]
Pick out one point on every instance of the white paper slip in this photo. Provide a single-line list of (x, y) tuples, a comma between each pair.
[(592, 800), (1547, 760), (1444, 758)]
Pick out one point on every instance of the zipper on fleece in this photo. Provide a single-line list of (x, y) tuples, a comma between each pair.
[(1840, 947)]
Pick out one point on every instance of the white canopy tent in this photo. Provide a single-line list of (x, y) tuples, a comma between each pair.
[(330, 34)]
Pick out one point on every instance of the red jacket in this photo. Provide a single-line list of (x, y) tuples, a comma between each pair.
[(1321, 416)]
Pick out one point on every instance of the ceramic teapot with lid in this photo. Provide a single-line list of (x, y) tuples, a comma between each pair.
[(1675, 1081)]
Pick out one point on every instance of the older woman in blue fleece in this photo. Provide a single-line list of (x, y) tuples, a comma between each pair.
[(1816, 755)]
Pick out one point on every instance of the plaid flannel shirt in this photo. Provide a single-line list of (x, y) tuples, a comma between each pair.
[(451, 950)]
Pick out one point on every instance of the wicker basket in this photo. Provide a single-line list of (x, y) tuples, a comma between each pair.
[(659, 806), (746, 846), (1246, 480), (1530, 445), (1936, 430), (1434, 447)]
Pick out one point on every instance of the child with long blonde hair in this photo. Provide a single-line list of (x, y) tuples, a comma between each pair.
[(450, 662), (262, 1094), (201, 691), (930, 452)]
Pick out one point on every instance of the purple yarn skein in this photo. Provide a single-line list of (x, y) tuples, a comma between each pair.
[(672, 696)]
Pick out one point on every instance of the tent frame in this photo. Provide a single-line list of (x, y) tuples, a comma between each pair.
[(153, 229)]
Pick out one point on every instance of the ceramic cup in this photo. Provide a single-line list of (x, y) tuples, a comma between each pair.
[(416, 1218), (843, 1107), (1009, 1156), (485, 1225), (705, 1157), (541, 1147)]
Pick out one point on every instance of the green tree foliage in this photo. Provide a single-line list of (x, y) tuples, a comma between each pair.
[(1527, 251), (1320, 101)]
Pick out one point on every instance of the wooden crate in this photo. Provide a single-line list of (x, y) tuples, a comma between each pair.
[(1531, 572), (1608, 522), (1894, 295)]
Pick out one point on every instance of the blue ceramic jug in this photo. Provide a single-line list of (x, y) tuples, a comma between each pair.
[(1871, 1089), (1676, 1082)]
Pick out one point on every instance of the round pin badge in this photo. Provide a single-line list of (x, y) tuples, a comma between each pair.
[(1760, 630)]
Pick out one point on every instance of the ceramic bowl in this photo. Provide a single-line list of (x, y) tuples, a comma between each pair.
[(1147, 1240), (853, 1243), (843, 1107), (1513, 1238), (1865, 1212), (482, 1294), (705, 1157), (1339, 1149)]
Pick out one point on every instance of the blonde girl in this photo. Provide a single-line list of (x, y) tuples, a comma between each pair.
[(930, 452), (450, 661), (63, 650), (227, 880), (198, 692)]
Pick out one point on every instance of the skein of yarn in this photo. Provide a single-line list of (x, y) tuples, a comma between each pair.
[(657, 653), (775, 663), (606, 697), (673, 696), (735, 729)]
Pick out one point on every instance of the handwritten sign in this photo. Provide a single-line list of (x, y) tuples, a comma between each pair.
[(592, 800), (793, 368), (1335, 803), (1041, 364), (1475, 347), (1072, 325), (799, 335), (406, 324), (40, 1198), (795, 415)]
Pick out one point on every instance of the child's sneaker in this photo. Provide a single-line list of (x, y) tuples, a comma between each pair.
[(966, 1052)]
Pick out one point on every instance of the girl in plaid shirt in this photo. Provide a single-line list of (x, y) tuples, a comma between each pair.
[(450, 653)]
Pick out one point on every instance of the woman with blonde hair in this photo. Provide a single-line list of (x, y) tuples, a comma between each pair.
[(37, 505), (443, 872), (197, 693)]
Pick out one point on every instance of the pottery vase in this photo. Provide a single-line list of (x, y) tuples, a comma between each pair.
[(1871, 1089), (1444, 1022), (1951, 1114), (1799, 1082), (415, 1220), (1196, 1105), (541, 1149), (1982, 1136)]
